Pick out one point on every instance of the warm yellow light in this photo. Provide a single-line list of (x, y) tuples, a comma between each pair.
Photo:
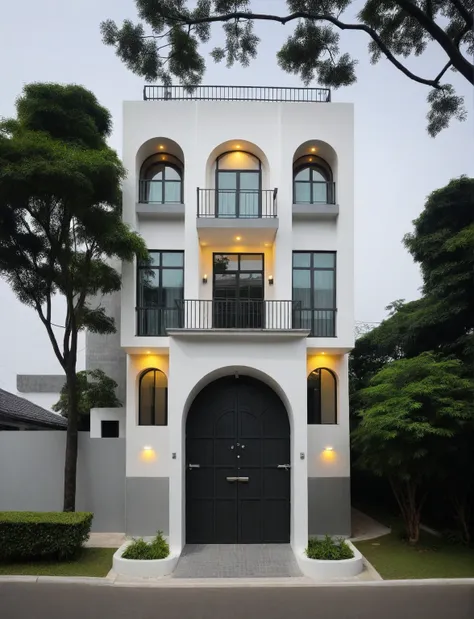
[(148, 352), (147, 448), (313, 150), (148, 454), (163, 158), (161, 147), (329, 448), (310, 159), (238, 238), (237, 146), (267, 244), (323, 353)]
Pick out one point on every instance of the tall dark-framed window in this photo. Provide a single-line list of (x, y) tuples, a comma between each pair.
[(312, 181), (238, 185), (322, 397), (160, 292), (161, 180), (153, 398), (314, 290)]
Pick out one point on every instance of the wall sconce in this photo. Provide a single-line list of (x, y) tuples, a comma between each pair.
[(329, 448), (147, 448), (270, 280), (204, 279)]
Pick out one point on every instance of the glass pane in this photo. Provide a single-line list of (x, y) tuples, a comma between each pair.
[(324, 323), (172, 291), (155, 172), (154, 259), (225, 286), (323, 294), (250, 286), (302, 175), (320, 193), (251, 262), (301, 260), (249, 180), (173, 259), (318, 175), (238, 160), (161, 397), (155, 191), (148, 287), (249, 203), (145, 417), (302, 193), (302, 288), (225, 262), (328, 397), (226, 180), (172, 191), (324, 260), (172, 174)]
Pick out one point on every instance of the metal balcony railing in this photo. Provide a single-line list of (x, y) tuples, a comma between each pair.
[(235, 314), (236, 93), (237, 204)]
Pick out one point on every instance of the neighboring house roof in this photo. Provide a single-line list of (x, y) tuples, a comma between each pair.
[(14, 408)]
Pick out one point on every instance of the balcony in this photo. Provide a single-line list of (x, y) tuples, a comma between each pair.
[(220, 315), (153, 203), (237, 93), (224, 213), (316, 200)]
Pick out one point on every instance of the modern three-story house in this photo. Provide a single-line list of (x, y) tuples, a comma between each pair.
[(237, 332)]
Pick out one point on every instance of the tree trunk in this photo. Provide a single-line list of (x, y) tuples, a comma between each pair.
[(407, 496), (70, 467)]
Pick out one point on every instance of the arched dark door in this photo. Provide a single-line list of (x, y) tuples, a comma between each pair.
[(237, 465)]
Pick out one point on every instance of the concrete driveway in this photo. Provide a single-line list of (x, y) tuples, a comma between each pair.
[(385, 600)]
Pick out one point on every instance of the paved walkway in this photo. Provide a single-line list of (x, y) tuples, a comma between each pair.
[(237, 561), (365, 527), (105, 540)]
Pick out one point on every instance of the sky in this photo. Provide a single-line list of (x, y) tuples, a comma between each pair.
[(396, 163)]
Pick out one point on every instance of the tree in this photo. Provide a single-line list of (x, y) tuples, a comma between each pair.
[(443, 244), (95, 390), (165, 42), (410, 413), (60, 223)]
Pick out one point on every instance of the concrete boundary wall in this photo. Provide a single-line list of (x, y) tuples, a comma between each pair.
[(32, 475)]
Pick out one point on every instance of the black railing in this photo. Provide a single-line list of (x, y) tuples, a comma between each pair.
[(237, 204), (322, 192), (236, 93), (235, 314)]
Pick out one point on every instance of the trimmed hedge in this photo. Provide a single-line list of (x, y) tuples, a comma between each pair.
[(32, 535)]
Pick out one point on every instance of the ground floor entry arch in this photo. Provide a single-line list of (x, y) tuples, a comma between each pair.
[(237, 464)]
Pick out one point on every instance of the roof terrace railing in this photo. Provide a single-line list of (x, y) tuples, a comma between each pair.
[(237, 93)]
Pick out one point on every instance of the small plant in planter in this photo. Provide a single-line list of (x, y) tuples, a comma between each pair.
[(139, 549), (328, 549)]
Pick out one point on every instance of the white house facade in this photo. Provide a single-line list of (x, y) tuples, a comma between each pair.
[(235, 335)]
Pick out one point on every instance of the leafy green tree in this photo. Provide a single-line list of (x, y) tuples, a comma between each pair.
[(443, 244), (411, 411), (60, 223), (95, 390), (165, 43)]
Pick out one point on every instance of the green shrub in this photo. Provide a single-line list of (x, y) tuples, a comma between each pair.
[(328, 549), (158, 548), (32, 535)]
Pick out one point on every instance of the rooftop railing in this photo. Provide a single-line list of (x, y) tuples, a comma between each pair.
[(237, 93)]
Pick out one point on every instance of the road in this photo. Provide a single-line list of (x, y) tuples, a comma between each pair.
[(79, 601)]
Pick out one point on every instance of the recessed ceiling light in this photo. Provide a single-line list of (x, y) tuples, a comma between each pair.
[(237, 146), (267, 244), (161, 147), (313, 150), (238, 238)]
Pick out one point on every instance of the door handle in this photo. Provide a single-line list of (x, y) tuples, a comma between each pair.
[(194, 466), (232, 478), (287, 467), (245, 479)]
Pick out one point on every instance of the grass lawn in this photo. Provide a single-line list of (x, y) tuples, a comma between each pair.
[(433, 557), (90, 562)]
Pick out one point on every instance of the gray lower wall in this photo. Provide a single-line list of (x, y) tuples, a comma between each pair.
[(32, 475), (329, 506), (147, 505)]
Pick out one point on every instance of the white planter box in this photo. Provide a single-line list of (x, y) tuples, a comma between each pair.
[(143, 569), (320, 569)]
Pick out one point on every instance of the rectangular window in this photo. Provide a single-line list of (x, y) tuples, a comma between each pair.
[(109, 429), (314, 292), (160, 293)]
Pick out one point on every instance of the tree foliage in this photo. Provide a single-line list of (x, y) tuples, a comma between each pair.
[(409, 410), (165, 42), (95, 390), (60, 223)]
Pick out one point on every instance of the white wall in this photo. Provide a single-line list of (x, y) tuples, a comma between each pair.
[(203, 129), (98, 415)]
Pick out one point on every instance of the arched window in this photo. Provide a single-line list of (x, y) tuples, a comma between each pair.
[(153, 399), (312, 181), (238, 184), (161, 180), (322, 397)]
